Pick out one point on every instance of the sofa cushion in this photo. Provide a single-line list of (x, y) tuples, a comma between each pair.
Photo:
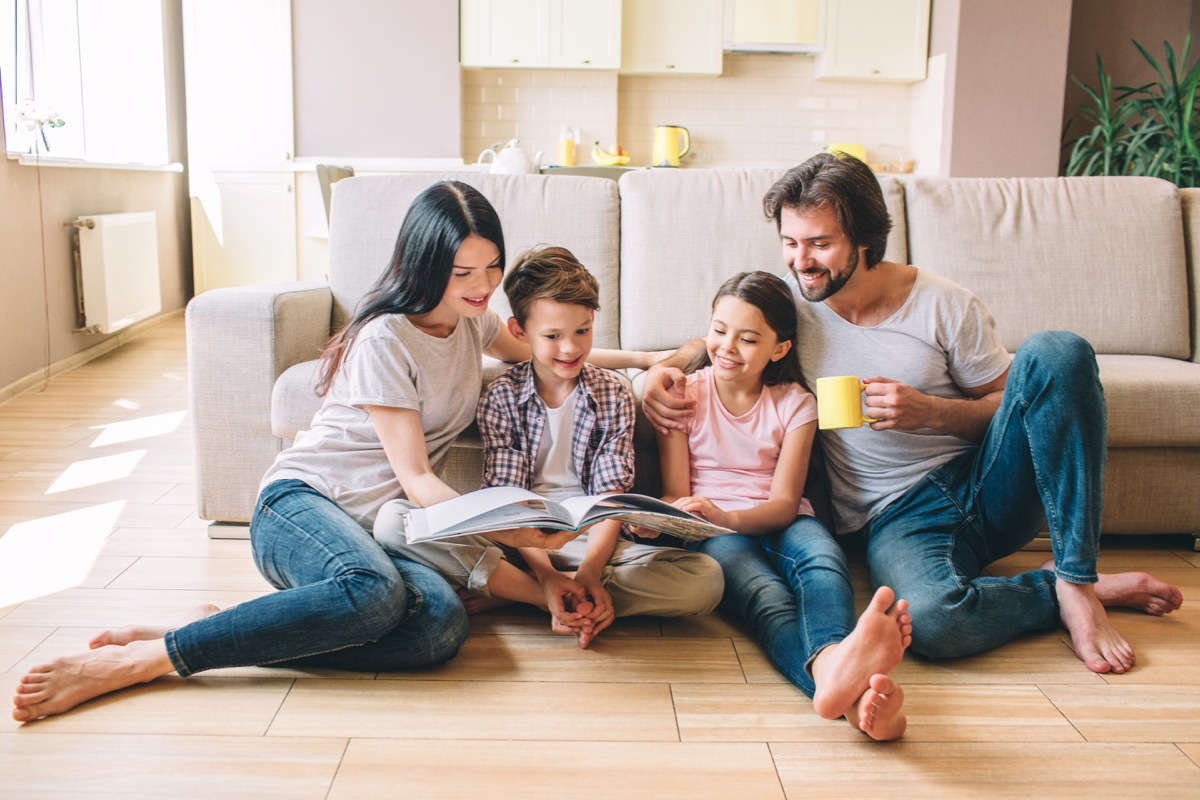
[(678, 229), (1151, 401), (577, 213), (1103, 257)]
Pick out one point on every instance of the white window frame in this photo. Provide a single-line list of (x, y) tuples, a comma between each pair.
[(99, 65)]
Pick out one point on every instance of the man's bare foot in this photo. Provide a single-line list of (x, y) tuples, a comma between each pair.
[(843, 671), (1093, 637), (146, 633), (1137, 590), (878, 712), (476, 603), (62, 684)]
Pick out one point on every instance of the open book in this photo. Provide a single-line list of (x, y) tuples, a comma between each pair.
[(500, 508)]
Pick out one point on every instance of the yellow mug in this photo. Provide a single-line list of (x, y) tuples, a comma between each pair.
[(839, 402)]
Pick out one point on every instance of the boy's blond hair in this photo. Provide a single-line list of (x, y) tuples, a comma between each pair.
[(549, 273)]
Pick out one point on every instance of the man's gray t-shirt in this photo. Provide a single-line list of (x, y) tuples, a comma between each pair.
[(941, 339), (391, 363)]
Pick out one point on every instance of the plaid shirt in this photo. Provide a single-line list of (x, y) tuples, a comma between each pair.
[(512, 418)]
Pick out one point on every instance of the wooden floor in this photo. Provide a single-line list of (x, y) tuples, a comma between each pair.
[(98, 529)]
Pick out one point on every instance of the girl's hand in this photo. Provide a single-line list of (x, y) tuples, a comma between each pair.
[(703, 507), (533, 537)]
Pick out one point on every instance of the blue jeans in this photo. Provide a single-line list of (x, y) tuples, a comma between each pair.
[(793, 587), (1041, 463), (343, 602)]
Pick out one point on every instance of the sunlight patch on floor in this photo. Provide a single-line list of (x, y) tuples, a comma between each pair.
[(50, 554), (133, 429), (93, 471)]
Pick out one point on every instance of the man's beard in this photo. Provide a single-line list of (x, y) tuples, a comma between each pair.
[(815, 294)]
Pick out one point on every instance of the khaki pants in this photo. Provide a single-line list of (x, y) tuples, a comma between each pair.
[(641, 579)]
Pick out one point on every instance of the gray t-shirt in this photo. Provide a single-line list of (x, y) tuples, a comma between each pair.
[(391, 363), (941, 339)]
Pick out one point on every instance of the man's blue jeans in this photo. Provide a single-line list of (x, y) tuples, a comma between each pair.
[(1041, 462), (793, 587), (343, 602)]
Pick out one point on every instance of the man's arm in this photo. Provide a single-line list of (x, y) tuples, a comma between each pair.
[(897, 406), (663, 399)]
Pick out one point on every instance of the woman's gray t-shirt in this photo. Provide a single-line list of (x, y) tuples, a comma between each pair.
[(941, 339), (390, 363)]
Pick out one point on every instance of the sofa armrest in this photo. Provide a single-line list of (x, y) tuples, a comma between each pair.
[(1191, 239), (239, 341)]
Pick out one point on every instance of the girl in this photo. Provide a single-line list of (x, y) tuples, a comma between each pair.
[(400, 382), (741, 462)]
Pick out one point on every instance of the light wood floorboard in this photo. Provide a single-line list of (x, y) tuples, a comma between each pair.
[(98, 529)]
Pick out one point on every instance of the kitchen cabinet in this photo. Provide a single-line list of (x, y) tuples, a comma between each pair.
[(880, 40), (523, 34), (671, 37), (775, 26)]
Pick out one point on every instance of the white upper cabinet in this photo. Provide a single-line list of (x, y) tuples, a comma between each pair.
[(773, 26), (585, 34), (881, 40), (523, 34), (671, 37)]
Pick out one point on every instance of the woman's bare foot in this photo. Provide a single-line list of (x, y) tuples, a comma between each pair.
[(1137, 590), (62, 684), (476, 603), (878, 712), (146, 633), (1096, 642), (843, 671)]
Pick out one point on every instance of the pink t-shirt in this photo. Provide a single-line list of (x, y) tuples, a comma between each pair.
[(733, 458)]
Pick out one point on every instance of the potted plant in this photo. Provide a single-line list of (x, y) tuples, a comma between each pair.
[(1150, 129)]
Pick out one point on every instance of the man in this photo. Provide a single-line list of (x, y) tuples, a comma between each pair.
[(969, 455)]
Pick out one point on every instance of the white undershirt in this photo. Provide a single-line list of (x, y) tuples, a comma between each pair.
[(555, 476)]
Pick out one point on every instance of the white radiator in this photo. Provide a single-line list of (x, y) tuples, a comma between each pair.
[(118, 270)]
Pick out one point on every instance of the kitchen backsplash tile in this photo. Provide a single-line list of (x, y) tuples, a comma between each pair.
[(764, 110)]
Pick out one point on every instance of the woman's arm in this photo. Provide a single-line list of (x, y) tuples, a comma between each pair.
[(507, 347), (403, 440)]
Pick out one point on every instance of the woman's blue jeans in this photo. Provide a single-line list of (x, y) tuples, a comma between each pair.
[(343, 602), (793, 587), (1041, 462)]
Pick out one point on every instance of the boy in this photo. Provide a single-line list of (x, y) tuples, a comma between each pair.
[(561, 427)]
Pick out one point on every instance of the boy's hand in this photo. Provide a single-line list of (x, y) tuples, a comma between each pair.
[(564, 596), (601, 613)]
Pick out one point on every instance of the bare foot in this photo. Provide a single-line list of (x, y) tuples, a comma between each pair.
[(62, 684), (145, 633), (1137, 590), (878, 712), (1096, 642), (843, 671), (476, 603), (583, 633)]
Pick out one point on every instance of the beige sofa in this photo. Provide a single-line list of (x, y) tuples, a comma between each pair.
[(1109, 258)]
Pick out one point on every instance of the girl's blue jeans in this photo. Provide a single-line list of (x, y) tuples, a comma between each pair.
[(1041, 463), (343, 602), (793, 587)]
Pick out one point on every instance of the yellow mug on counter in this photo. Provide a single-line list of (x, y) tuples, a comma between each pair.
[(839, 402)]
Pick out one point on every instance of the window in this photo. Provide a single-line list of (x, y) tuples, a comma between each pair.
[(97, 64)]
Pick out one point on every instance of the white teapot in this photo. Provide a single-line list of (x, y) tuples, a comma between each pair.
[(511, 160)]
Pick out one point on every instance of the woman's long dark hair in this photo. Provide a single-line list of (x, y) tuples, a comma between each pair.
[(770, 295), (437, 223)]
